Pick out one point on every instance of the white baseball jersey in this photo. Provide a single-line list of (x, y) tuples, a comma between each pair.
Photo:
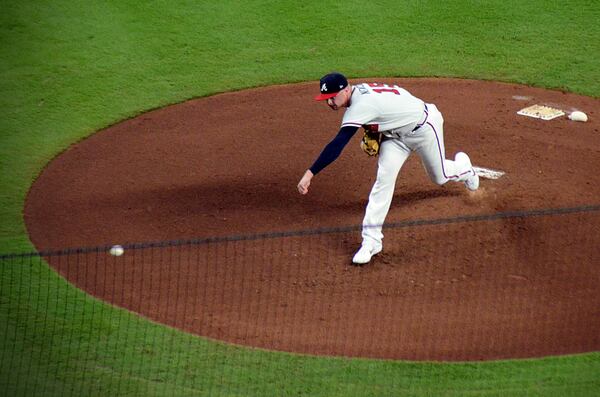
[(389, 109)]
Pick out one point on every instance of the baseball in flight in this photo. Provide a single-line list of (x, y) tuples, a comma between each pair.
[(116, 250)]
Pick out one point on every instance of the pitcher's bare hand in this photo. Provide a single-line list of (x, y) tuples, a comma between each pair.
[(305, 182)]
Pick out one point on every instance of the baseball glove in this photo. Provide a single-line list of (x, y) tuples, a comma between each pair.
[(370, 142)]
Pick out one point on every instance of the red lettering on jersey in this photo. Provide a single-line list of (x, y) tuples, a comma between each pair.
[(383, 88)]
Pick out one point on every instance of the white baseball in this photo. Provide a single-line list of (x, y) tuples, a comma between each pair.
[(116, 250), (578, 116)]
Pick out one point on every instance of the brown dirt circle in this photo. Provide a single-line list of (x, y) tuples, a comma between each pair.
[(228, 165)]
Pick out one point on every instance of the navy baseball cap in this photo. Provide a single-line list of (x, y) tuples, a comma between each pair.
[(331, 84)]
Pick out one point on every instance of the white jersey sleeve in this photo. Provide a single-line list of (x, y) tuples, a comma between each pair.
[(359, 114)]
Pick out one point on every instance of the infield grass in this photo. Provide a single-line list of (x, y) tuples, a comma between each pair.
[(69, 68)]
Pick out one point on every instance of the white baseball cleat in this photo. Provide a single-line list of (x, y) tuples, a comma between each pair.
[(472, 179), (365, 253)]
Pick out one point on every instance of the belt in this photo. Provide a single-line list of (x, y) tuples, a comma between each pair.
[(426, 115)]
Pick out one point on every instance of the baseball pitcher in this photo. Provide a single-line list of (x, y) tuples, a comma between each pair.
[(396, 123)]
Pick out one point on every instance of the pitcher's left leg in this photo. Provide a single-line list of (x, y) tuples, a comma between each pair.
[(392, 156)]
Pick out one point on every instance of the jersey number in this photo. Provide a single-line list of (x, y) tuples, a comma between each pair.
[(379, 88)]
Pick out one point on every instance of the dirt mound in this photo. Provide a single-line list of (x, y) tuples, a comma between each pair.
[(228, 165)]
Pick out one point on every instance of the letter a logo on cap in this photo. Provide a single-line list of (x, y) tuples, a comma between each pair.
[(329, 85)]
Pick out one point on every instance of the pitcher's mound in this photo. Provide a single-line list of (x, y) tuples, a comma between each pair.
[(229, 164)]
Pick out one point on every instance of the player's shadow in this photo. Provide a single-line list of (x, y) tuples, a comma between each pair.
[(206, 196), (250, 200)]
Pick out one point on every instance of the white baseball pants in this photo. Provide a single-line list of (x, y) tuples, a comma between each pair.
[(428, 142)]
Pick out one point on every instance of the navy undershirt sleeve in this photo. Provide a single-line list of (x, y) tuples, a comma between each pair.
[(333, 149)]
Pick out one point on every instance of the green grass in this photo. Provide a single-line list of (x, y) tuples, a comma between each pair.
[(69, 68)]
